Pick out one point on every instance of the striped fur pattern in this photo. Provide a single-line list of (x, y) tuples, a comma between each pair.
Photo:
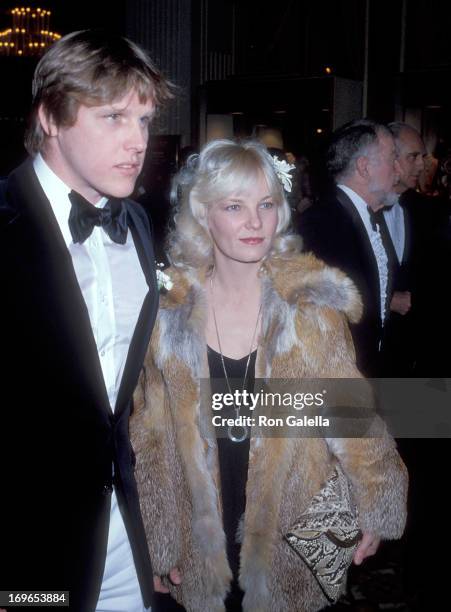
[(305, 311)]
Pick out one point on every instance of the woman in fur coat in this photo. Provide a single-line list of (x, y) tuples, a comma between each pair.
[(241, 304)]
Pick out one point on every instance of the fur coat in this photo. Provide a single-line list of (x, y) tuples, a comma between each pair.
[(304, 335)]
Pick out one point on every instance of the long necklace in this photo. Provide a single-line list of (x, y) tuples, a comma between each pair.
[(231, 428)]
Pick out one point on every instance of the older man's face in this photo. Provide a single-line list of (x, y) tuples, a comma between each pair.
[(410, 160), (381, 170)]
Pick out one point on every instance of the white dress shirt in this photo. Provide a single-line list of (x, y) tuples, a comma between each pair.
[(113, 287), (376, 244), (394, 217)]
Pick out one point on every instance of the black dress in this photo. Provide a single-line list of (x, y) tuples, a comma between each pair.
[(233, 462)]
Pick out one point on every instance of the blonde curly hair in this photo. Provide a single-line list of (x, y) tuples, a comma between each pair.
[(222, 168)]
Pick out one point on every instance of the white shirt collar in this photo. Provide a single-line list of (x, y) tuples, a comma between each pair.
[(392, 208), (57, 193), (358, 202)]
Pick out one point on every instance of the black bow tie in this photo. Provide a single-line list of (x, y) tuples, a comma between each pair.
[(375, 217), (84, 216)]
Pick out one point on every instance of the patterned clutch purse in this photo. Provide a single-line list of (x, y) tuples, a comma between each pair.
[(327, 534)]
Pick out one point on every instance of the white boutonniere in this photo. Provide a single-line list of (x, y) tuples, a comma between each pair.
[(163, 280), (283, 170)]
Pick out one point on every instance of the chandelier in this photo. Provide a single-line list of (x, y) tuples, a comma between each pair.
[(29, 34)]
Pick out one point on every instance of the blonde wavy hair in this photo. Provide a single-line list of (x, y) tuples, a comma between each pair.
[(223, 168)]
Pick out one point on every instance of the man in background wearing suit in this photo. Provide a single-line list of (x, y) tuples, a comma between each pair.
[(79, 299), (401, 335), (427, 256), (346, 230)]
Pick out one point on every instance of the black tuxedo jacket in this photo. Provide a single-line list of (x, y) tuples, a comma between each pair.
[(403, 273), (59, 434), (398, 353), (334, 232)]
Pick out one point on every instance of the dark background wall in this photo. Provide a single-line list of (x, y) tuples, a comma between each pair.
[(260, 63)]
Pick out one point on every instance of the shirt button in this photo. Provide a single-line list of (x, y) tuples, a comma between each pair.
[(102, 353)]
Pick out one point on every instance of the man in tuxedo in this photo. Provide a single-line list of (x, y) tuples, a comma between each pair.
[(346, 230), (79, 299), (420, 230), (400, 337), (426, 241)]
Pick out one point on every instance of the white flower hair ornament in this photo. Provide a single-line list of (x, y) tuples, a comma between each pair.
[(164, 281), (283, 170)]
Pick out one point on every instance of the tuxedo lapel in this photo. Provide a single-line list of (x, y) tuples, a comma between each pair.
[(146, 319), (368, 259), (47, 267), (407, 236), (403, 280)]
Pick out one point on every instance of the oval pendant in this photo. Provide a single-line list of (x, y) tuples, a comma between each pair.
[(237, 428)]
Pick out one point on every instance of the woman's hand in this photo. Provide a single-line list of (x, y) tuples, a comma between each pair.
[(367, 547), (174, 577)]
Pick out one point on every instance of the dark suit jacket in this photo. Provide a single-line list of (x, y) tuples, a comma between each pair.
[(403, 274), (59, 434), (334, 232), (399, 346)]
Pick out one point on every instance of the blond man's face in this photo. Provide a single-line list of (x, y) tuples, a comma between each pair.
[(102, 153)]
